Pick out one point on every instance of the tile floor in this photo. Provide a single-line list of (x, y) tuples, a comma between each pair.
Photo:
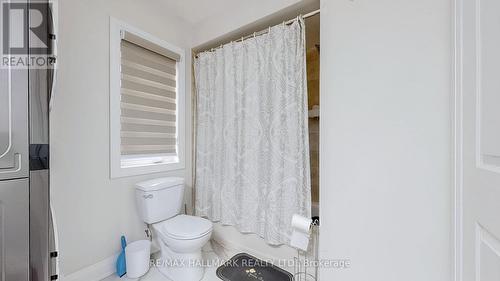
[(209, 255), (213, 254)]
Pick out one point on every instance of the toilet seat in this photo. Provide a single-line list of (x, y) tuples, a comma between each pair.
[(184, 227)]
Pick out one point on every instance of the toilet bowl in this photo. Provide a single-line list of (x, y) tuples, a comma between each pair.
[(180, 237)]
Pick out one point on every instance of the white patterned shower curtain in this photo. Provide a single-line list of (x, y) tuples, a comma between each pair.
[(252, 148)]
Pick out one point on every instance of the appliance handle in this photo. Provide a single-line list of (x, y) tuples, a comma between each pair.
[(52, 70), (54, 251)]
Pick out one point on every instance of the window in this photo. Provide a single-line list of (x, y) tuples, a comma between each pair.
[(146, 103)]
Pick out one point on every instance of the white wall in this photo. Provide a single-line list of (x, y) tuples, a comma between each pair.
[(92, 211), (385, 139), (237, 15)]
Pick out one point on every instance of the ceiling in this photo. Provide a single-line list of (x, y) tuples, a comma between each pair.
[(195, 11), (198, 13)]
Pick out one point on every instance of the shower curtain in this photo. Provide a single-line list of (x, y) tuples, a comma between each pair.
[(252, 150)]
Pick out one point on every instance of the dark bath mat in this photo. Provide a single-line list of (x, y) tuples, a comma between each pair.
[(244, 267)]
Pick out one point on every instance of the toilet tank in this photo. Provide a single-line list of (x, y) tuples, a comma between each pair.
[(159, 199)]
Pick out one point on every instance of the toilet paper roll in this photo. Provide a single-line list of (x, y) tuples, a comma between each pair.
[(301, 224), (299, 240)]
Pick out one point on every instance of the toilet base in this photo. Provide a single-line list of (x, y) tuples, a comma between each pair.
[(181, 266)]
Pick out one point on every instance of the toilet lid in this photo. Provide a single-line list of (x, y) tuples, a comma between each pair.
[(186, 227)]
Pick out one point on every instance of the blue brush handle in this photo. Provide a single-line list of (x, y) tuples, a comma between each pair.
[(124, 242)]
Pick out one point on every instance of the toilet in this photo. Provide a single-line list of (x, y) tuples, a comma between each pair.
[(180, 237)]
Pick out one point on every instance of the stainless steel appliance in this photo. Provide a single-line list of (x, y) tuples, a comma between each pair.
[(25, 222)]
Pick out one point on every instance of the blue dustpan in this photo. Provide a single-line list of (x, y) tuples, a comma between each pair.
[(121, 266)]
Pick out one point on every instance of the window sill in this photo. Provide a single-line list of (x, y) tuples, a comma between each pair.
[(145, 169), (132, 162)]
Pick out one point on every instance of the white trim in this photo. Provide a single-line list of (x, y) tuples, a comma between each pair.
[(477, 37), (95, 272), (116, 169), (100, 270), (477, 252), (148, 160), (457, 142), (9, 147), (480, 157), (482, 236), (486, 238)]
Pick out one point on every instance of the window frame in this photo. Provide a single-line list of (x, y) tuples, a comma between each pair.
[(143, 166)]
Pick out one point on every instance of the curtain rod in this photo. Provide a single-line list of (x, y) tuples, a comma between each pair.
[(262, 32)]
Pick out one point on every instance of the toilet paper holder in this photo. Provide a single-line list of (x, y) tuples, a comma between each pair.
[(306, 262)]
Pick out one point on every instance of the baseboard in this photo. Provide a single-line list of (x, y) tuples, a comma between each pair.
[(106, 267), (95, 272), (98, 271)]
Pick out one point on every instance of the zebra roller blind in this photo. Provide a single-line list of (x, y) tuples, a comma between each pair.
[(148, 100)]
